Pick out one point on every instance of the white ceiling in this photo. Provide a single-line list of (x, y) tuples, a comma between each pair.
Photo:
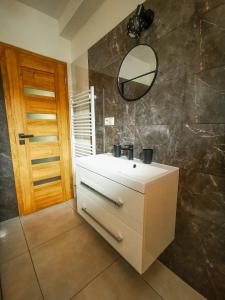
[(53, 8), (71, 14), (80, 16)]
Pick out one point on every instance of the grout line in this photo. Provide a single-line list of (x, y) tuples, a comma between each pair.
[(152, 288), (212, 8), (84, 287), (32, 261), (13, 257), (35, 247), (104, 271), (209, 68), (73, 208), (16, 255), (56, 236), (29, 250), (28, 247)]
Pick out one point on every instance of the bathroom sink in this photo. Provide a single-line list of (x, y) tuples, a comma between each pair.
[(132, 173), (132, 205), (140, 171)]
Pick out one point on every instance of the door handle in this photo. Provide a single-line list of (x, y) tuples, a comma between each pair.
[(25, 136)]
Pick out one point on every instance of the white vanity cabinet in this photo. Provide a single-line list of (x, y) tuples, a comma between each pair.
[(133, 209)]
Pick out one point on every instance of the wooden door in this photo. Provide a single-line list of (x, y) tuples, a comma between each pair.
[(37, 110)]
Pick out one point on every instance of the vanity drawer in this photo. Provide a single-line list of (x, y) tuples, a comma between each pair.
[(125, 240), (119, 200)]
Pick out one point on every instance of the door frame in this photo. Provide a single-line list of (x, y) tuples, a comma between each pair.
[(14, 140)]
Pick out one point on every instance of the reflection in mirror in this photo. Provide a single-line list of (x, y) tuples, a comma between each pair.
[(137, 72)]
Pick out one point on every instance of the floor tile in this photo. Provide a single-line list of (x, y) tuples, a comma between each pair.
[(46, 224), (67, 263), (168, 284), (12, 240), (72, 203), (118, 282), (18, 279)]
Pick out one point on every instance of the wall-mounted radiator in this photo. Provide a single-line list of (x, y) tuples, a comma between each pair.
[(83, 123)]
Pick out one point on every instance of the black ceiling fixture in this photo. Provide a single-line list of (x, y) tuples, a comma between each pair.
[(140, 21)]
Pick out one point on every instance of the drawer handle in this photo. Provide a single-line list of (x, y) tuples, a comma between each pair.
[(117, 203), (116, 237)]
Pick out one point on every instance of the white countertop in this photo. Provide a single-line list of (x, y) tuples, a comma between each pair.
[(123, 171)]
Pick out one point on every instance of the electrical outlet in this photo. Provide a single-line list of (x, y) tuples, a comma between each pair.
[(109, 121)]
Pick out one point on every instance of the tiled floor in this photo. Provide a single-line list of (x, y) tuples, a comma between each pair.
[(54, 254)]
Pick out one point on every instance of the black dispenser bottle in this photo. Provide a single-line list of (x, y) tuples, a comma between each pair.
[(117, 150), (147, 155)]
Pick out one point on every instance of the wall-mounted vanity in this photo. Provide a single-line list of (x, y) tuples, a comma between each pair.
[(132, 205)]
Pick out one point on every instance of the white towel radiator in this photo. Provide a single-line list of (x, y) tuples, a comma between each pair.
[(83, 123)]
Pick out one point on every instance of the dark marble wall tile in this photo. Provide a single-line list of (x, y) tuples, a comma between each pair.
[(212, 45), (204, 6), (200, 233), (178, 50), (157, 137), (200, 244), (8, 203), (212, 38), (124, 130), (114, 51), (163, 104), (202, 148), (182, 118), (205, 97), (216, 16), (8, 200), (169, 15), (203, 196)]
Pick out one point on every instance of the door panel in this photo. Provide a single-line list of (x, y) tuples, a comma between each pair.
[(42, 127), (46, 170), (44, 149), (36, 103), (54, 190), (37, 106), (36, 62), (39, 80)]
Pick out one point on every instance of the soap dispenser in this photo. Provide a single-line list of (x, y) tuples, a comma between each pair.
[(117, 150)]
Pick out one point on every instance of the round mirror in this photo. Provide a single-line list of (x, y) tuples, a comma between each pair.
[(137, 72)]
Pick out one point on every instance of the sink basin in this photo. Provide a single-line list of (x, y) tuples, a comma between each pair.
[(132, 173), (140, 171)]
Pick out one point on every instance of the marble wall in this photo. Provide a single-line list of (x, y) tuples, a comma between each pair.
[(183, 119), (8, 201)]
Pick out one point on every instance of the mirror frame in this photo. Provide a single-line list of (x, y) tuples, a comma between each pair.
[(156, 72)]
